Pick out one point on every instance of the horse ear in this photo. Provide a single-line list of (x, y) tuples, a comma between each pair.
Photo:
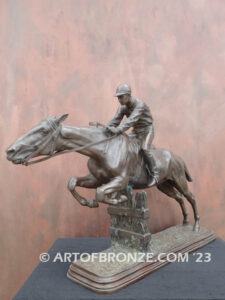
[(61, 118)]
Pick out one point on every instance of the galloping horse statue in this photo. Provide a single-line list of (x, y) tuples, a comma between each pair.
[(116, 163)]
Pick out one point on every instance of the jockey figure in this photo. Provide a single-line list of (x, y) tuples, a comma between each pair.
[(139, 117)]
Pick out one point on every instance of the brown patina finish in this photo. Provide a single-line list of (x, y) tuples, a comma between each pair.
[(115, 163)]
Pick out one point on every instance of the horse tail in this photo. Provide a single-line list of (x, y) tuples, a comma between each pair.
[(188, 176)]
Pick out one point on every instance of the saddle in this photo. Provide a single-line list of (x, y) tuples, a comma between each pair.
[(135, 148)]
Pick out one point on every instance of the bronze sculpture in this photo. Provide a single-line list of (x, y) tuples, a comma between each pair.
[(118, 163), (140, 119)]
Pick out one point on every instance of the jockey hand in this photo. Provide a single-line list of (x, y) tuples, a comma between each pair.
[(114, 130)]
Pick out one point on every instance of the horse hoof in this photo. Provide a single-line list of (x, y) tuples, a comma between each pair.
[(185, 223), (99, 195), (92, 203), (196, 228), (83, 202), (72, 183)]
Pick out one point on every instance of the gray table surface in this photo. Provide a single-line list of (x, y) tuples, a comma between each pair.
[(178, 280)]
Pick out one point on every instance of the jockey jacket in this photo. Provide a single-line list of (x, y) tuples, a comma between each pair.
[(138, 116)]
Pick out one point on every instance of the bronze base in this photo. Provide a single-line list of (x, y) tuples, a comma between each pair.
[(109, 277)]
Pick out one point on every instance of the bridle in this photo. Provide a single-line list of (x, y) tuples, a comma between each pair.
[(53, 137)]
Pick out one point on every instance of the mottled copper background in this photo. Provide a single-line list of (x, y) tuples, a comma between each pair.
[(68, 57)]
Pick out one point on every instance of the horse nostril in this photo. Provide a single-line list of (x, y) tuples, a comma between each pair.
[(10, 151)]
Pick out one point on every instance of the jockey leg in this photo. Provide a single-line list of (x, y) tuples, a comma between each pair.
[(149, 157), (152, 167)]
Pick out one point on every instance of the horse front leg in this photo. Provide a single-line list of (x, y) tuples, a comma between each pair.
[(115, 185), (88, 181)]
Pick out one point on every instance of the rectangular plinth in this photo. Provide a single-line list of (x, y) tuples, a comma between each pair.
[(190, 280), (109, 277)]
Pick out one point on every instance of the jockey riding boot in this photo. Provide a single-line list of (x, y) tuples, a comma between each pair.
[(151, 168)]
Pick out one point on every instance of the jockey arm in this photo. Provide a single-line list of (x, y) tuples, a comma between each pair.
[(132, 119), (118, 117)]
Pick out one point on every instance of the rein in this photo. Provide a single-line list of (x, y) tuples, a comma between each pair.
[(52, 153)]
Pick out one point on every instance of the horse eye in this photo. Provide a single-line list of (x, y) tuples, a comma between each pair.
[(45, 131)]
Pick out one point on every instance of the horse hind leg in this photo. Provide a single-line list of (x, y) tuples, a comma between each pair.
[(88, 181), (168, 189), (181, 185), (191, 198)]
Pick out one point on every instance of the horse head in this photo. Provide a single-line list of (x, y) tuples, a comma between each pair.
[(38, 141)]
